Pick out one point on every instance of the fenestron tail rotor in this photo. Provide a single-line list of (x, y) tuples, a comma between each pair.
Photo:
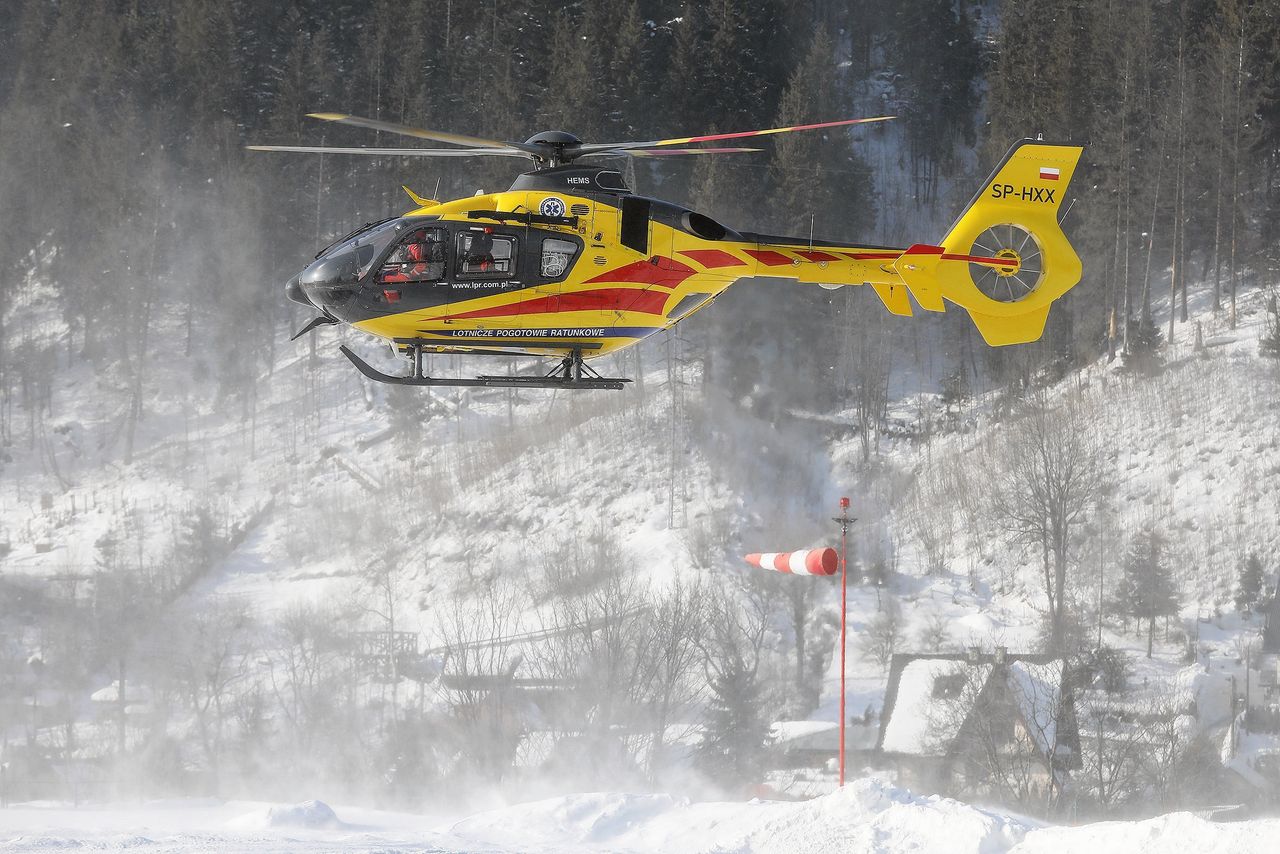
[(546, 149), (1024, 269)]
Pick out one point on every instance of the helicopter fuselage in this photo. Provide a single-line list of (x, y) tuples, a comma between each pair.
[(566, 260)]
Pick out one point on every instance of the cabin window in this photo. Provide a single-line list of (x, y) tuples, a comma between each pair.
[(483, 255), (556, 256), (421, 256)]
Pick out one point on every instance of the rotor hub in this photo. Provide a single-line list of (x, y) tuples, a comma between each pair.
[(557, 138), (1014, 259)]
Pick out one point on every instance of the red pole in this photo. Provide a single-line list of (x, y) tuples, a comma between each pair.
[(844, 611)]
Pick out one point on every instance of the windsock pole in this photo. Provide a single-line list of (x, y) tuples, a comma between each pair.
[(819, 562), (844, 521)]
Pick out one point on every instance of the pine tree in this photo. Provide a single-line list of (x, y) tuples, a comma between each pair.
[(1145, 338), (1269, 344), (687, 105), (935, 53), (574, 102), (1147, 589), (199, 543), (822, 184), (108, 558), (732, 749), (1249, 583)]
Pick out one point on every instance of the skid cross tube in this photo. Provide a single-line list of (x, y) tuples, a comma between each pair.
[(572, 373)]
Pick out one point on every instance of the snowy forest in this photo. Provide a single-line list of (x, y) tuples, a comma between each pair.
[(229, 564)]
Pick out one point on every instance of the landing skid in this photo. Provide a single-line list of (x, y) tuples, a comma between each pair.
[(572, 373)]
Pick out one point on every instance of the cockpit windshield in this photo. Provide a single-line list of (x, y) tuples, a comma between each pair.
[(347, 261), (367, 245)]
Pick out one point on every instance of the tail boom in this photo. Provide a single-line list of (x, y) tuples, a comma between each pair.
[(1004, 261)]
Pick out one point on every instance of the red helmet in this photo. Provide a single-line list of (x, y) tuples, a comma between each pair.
[(416, 252)]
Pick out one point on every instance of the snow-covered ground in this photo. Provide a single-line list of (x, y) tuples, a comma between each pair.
[(866, 816)]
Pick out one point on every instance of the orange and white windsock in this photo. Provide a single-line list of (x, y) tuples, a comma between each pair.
[(807, 562)]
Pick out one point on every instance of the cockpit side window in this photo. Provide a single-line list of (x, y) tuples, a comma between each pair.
[(421, 256), (483, 255)]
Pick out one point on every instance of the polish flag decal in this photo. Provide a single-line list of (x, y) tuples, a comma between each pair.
[(1049, 173)]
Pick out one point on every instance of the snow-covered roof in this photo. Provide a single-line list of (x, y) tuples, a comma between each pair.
[(805, 735), (931, 698), (111, 694), (783, 732), (924, 719), (1036, 689)]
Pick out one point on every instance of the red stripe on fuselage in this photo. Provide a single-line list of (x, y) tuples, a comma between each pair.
[(601, 299), (768, 257), (713, 258), (813, 255), (874, 256), (667, 273)]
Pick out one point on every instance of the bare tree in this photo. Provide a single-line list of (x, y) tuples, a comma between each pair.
[(929, 518), (304, 669), (676, 626), (1046, 477), (597, 639), (935, 634), (383, 582), (1137, 750), (883, 636), (732, 653), (207, 651), (479, 637)]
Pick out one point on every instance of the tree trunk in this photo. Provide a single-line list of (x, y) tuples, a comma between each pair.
[(1235, 176), (1151, 241), (121, 742)]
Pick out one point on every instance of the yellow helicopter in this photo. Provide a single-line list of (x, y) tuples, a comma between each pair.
[(569, 263)]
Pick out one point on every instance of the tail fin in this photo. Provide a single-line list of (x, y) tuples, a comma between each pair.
[(1006, 259)]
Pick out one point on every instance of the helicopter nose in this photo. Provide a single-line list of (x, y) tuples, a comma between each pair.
[(293, 291)]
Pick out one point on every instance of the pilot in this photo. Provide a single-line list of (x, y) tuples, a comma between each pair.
[(420, 257)]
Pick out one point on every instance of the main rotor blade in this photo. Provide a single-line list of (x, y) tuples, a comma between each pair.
[(664, 152), (622, 146), (421, 133), (407, 152)]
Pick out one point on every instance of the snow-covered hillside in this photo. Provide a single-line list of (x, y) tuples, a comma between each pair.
[(324, 490)]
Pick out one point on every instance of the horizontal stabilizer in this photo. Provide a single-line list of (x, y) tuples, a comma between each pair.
[(895, 298), (918, 267)]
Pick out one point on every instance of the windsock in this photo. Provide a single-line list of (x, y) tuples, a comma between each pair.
[(807, 562)]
